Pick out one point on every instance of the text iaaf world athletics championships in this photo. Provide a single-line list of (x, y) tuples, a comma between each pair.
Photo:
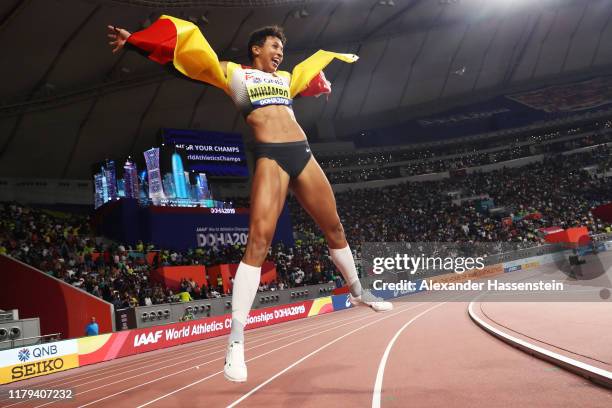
[(202, 328)]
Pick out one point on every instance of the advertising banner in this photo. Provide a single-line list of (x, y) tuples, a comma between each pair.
[(107, 347), (33, 361), (321, 306), (486, 272), (181, 228), (391, 294), (341, 302)]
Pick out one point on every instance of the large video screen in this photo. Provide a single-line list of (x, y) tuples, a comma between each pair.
[(215, 154), (176, 173)]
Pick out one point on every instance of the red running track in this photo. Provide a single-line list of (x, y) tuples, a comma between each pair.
[(425, 354)]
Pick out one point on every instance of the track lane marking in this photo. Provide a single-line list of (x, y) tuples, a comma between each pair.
[(366, 316), (273, 335), (198, 345), (376, 394), (248, 394)]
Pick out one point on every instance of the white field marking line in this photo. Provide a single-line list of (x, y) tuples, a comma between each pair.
[(245, 396), (210, 344), (140, 363), (376, 395), (219, 372), (584, 366), (383, 361), (216, 347), (221, 347), (366, 315), (334, 323), (259, 339)]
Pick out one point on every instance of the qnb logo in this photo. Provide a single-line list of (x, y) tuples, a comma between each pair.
[(348, 301), (23, 355)]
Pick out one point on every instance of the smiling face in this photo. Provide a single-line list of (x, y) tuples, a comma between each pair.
[(268, 56)]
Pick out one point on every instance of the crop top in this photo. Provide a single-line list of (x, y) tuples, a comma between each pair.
[(251, 88), (170, 39)]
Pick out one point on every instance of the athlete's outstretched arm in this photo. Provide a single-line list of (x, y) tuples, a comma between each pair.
[(312, 68), (118, 37)]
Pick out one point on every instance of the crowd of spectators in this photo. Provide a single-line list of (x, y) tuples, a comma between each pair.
[(406, 153), (466, 160), (386, 165), (63, 246), (561, 189)]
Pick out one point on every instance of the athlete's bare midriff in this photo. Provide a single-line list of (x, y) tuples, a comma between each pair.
[(275, 124)]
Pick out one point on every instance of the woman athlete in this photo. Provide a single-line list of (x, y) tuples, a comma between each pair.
[(283, 158)]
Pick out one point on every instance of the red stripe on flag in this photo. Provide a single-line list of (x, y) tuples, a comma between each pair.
[(159, 39)]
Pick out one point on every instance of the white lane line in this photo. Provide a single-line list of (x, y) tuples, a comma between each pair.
[(383, 361), (282, 336), (221, 358), (180, 355), (188, 349), (245, 396), (598, 372), (197, 382)]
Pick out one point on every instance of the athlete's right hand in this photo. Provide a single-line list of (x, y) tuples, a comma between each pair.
[(118, 37)]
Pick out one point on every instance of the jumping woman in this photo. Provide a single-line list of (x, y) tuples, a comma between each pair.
[(283, 158)]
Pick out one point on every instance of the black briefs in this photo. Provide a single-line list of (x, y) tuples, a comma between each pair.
[(291, 156)]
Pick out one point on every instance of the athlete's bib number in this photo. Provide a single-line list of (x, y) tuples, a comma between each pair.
[(265, 89)]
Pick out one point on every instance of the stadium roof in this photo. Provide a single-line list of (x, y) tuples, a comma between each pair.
[(66, 101)]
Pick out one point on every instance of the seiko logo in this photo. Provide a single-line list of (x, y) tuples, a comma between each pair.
[(36, 368)]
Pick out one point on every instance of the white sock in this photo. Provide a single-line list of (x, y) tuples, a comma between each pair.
[(246, 283), (343, 259)]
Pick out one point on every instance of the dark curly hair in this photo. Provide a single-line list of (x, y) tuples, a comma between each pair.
[(258, 37)]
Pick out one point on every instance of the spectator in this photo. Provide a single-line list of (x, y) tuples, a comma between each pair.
[(184, 296), (92, 328)]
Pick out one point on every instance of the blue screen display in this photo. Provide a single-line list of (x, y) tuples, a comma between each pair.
[(216, 154)]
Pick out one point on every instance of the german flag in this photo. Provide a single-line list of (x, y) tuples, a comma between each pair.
[(171, 39)]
